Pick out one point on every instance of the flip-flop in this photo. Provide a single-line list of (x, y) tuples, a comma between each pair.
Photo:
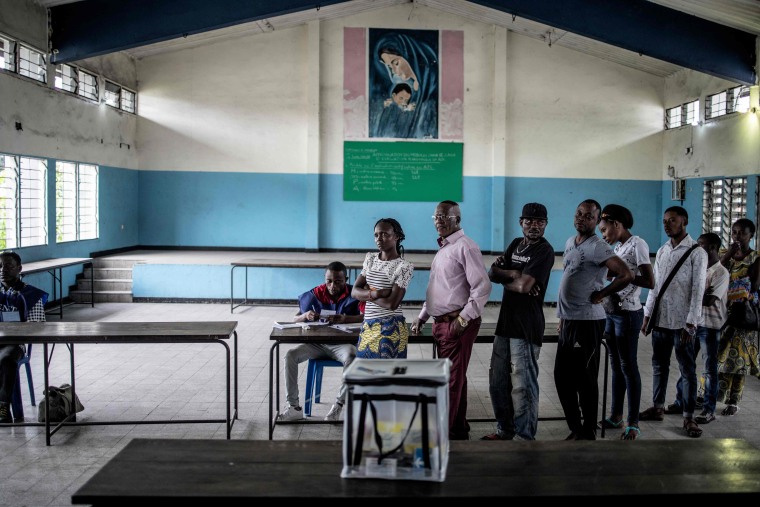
[(493, 436), (609, 424), (631, 433), (730, 410)]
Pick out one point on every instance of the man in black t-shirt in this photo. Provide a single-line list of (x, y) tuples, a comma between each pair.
[(524, 271)]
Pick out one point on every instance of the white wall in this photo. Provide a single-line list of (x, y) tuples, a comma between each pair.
[(724, 146), (242, 104), (55, 123)]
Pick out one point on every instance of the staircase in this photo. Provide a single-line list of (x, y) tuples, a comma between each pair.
[(112, 278)]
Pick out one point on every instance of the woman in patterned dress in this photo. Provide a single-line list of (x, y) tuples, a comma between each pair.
[(382, 284), (738, 348)]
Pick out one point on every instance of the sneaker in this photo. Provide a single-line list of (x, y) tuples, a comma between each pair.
[(674, 408), (291, 414), (705, 417), (5, 413), (334, 413)]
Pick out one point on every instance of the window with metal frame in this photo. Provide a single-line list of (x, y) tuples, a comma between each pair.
[(729, 101), (724, 201), (23, 208), (112, 94), (88, 85), (128, 101), (66, 78), (680, 116), (7, 53), (76, 205), (31, 63)]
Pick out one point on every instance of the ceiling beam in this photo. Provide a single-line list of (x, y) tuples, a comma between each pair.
[(648, 29), (90, 28)]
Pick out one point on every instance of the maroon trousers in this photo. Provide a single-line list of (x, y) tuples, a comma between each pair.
[(458, 350)]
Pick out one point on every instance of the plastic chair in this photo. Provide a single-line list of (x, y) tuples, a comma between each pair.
[(314, 380), (17, 403)]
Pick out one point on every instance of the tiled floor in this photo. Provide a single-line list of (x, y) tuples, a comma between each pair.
[(182, 381)]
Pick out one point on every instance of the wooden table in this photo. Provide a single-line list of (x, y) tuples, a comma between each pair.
[(331, 335), (55, 268), (601, 472), (73, 333)]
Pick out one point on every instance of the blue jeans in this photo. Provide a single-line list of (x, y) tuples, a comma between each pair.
[(623, 343), (708, 344), (663, 342), (513, 384)]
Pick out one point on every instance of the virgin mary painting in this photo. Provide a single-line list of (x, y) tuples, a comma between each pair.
[(403, 84)]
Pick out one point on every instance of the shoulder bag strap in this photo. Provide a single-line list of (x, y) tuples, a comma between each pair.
[(668, 280)]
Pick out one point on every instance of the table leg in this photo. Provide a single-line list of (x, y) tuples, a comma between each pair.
[(604, 392), (45, 367), (271, 388), (60, 288), (235, 341)]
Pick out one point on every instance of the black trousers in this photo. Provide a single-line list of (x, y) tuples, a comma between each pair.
[(9, 356), (576, 370)]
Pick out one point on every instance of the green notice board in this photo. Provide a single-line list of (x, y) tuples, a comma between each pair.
[(402, 171)]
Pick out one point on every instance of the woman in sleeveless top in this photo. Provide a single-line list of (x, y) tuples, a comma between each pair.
[(382, 284)]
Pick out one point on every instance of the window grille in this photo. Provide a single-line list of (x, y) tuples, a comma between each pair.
[(88, 85), (23, 209), (128, 101), (729, 101), (680, 116), (724, 201), (31, 63), (7, 54), (113, 94), (76, 205), (66, 78)]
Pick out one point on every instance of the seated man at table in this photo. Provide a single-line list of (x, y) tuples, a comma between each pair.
[(19, 302), (335, 295)]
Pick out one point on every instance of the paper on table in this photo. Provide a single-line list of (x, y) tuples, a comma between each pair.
[(349, 328), (288, 325)]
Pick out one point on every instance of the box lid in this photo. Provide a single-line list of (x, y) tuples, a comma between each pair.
[(398, 371)]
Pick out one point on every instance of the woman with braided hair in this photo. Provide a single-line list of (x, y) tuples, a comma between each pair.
[(382, 284)]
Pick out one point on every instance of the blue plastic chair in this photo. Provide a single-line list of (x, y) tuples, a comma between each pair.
[(314, 380), (17, 403)]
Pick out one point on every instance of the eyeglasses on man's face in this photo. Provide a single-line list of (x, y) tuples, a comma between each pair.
[(441, 218)]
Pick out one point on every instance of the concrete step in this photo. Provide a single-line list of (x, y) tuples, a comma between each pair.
[(109, 274), (102, 296), (105, 284), (103, 262)]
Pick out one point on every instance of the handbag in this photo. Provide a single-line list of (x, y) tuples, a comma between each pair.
[(61, 403), (653, 317), (743, 315)]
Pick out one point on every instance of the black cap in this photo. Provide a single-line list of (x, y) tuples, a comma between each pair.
[(534, 210)]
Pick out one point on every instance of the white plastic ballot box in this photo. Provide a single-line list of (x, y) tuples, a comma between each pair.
[(396, 419)]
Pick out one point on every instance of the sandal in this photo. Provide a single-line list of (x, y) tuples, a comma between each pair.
[(494, 436), (730, 410), (609, 424), (652, 414), (631, 433), (692, 430)]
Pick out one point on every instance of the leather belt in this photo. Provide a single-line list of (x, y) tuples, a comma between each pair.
[(447, 317)]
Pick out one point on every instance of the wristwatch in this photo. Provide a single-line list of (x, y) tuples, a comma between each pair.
[(462, 322), (691, 330)]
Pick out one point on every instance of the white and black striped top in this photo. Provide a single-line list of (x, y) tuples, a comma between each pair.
[(383, 275)]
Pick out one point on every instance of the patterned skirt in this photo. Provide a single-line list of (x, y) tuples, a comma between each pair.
[(383, 338), (738, 352)]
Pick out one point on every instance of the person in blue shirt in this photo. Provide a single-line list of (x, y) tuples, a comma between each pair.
[(19, 302), (335, 295)]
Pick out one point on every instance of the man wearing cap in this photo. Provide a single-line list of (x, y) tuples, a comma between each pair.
[(586, 261), (523, 270), (456, 294)]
